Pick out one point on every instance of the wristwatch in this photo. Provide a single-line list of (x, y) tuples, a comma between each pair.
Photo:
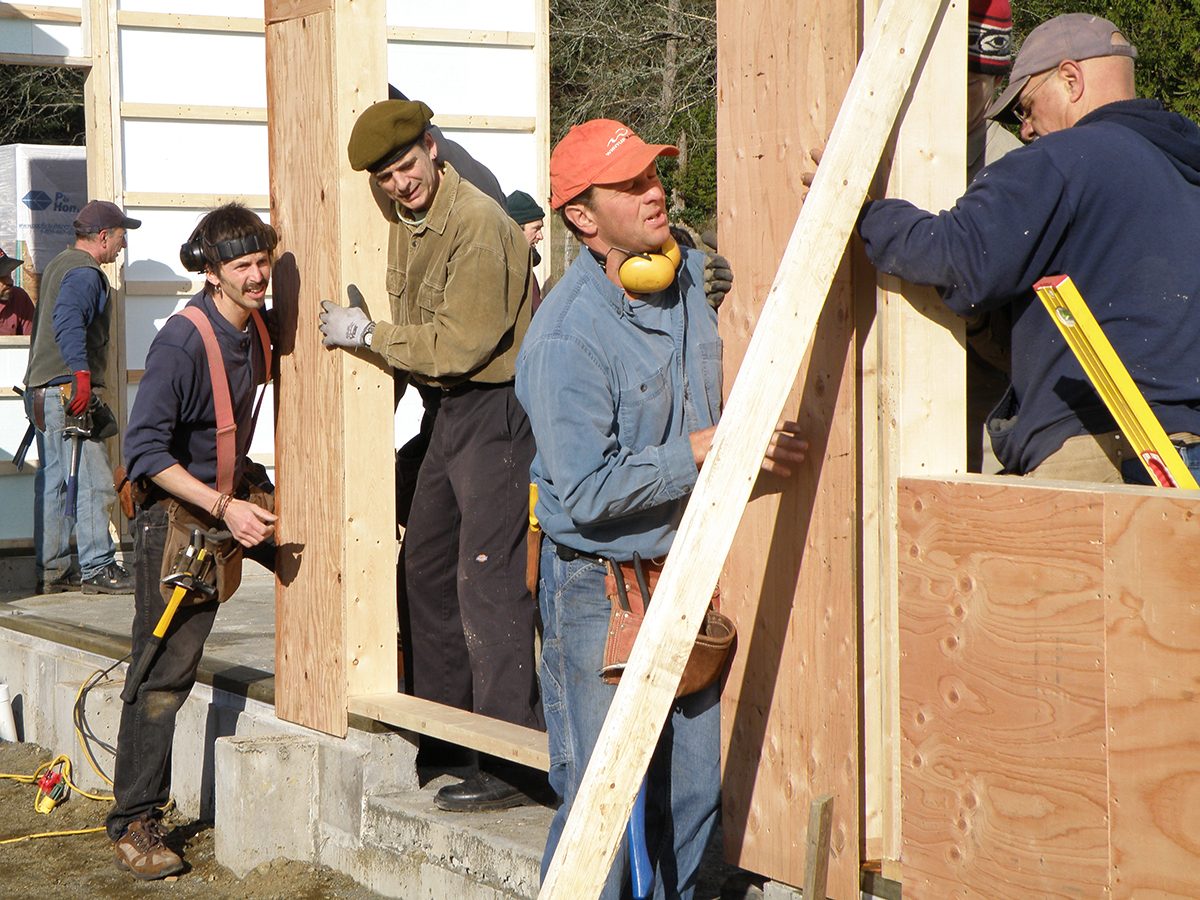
[(370, 333)]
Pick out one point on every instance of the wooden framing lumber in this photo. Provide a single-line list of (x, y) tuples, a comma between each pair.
[(39, 13), (1050, 655), (179, 112), (171, 200), (793, 306), (913, 396), (461, 36), (128, 18), (102, 124), (336, 600), (788, 719), (458, 726)]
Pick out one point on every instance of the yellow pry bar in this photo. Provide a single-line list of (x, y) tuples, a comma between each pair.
[(1113, 383)]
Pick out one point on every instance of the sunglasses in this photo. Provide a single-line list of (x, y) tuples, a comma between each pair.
[(1021, 109)]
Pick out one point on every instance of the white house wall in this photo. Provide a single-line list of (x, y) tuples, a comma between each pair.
[(190, 128)]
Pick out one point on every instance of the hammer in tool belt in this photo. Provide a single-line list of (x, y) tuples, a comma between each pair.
[(193, 572), (76, 429)]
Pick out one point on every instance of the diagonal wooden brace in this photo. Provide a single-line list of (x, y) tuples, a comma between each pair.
[(884, 74)]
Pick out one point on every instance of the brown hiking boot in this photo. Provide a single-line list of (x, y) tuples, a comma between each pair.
[(141, 850)]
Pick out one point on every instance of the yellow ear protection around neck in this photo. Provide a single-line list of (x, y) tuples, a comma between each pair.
[(648, 273)]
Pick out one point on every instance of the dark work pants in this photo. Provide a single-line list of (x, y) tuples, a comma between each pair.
[(142, 778), (472, 618)]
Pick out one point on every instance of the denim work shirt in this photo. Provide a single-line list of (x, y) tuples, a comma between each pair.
[(613, 388)]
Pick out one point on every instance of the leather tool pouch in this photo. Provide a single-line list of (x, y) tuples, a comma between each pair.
[(533, 560), (709, 654), (227, 555), (124, 488)]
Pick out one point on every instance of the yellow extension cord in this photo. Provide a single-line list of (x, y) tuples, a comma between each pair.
[(65, 767)]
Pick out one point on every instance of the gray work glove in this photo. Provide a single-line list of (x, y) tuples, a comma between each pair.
[(345, 326), (718, 275)]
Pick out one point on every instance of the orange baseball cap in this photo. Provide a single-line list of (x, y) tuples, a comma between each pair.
[(600, 151)]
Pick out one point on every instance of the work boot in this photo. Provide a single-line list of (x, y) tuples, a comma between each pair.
[(481, 792), (64, 584), (142, 852), (112, 579)]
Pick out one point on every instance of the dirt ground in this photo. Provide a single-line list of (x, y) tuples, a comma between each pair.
[(81, 866)]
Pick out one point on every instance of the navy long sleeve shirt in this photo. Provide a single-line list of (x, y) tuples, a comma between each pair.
[(1113, 202)]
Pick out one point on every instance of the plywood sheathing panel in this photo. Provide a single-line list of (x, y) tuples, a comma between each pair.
[(789, 718), (1152, 603), (336, 604), (1049, 668)]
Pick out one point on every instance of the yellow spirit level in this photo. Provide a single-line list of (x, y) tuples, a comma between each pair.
[(1113, 383)]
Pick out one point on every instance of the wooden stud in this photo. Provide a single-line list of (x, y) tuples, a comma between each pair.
[(336, 598), (521, 124), (913, 412), (169, 200), (786, 328), (38, 59), (127, 18), (458, 726), (193, 113), (104, 167), (461, 36), (37, 13), (541, 43), (816, 859)]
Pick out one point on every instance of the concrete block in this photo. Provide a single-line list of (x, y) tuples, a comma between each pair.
[(265, 801), (777, 890), (341, 781), (101, 708), (391, 761), (200, 723), (499, 850)]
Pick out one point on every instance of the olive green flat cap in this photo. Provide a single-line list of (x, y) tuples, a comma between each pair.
[(385, 131)]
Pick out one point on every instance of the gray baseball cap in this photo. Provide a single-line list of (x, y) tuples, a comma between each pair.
[(1071, 36)]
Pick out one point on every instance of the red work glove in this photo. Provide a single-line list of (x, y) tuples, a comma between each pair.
[(81, 395)]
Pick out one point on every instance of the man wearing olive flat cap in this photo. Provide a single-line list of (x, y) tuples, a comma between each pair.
[(1107, 192), (458, 283)]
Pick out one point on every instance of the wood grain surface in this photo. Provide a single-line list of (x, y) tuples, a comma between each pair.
[(1002, 676), (789, 717), (336, 602)]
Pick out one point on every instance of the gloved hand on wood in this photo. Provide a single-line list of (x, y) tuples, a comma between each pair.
[(345, 326)]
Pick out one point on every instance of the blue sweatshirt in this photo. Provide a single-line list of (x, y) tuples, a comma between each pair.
[(173, 418), (1113, 202)]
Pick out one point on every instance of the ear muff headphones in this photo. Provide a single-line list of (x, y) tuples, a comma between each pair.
[(648, 273), (191, 254)]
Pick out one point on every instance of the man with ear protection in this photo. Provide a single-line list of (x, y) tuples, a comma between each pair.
[(178, 456), (459, 289), (621, 376)]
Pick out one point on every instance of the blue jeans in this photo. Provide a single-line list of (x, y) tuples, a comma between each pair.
[(1134, 472), (684, 779), (51, 529)]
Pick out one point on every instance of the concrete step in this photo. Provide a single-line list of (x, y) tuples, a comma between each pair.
[(467, 856)]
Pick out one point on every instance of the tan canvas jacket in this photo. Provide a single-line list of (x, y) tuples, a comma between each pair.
[(459, 290)]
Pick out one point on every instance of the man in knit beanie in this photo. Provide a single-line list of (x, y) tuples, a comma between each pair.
[(989, 57)]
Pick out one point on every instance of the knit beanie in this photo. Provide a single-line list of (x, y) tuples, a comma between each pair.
[(989, 37), (524, 208)]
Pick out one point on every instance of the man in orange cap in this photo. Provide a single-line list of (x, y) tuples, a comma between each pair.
[(621, 376)]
